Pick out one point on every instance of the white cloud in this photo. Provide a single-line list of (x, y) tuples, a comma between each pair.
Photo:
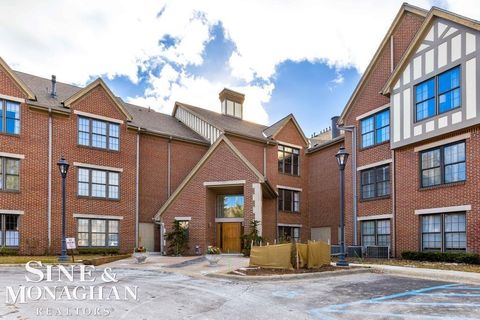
[(117, 37)]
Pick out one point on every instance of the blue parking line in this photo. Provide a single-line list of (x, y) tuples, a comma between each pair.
[(431, 304), (340, 308), (392, 315), (413, 292), (467, 288), (449, 294)]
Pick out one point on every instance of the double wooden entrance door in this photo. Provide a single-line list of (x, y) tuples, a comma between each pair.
[(228, 237)]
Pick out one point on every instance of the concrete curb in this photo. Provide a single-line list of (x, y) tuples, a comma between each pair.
[(429, 274), (314, 275)]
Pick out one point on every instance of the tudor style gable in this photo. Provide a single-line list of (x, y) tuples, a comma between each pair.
[(433, 91)]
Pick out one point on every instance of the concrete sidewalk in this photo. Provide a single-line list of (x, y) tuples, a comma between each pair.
[(190, 266), (423, 273)]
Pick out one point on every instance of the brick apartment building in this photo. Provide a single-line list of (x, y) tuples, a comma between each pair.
[(411, 127), (412, 123), (134, 171)]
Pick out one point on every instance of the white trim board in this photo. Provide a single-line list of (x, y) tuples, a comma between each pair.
[(183, 218), (289, 144), (6, 211), (372, 112), (376, 217), (289, 225), (442, 142), (94, 166), (242, 220), (12, 155), (224, 183), (96, 116), (96, 216), (289, 188), (466, 207), (375, 164), (12, 98)]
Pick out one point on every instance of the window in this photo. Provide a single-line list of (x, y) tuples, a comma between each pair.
[(376, 129), (375, 182), (230, 206), (98, 134), (231, 108), (97, 233), (376, 233), (9, 117), (444, 232), (288, 200), (446, 87), (9, 235), (98, 183), (288, 160), (9, 174), (287, 233), (443, 165)]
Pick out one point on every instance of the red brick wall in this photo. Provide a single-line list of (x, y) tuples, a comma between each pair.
[(410, 196), (222, 165), (323, 189), (32, 197), (65, 143), (367, 99), (290, 134), (153, 175), (252, 150)]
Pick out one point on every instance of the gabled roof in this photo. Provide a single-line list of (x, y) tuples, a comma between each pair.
[(272, 131), (224, 123), (325, 144), (403, 9), (161, 124), (41, 88), (236, 126), (21, 84), (91, 86), (421, 34), (145, 119), (199, 165)]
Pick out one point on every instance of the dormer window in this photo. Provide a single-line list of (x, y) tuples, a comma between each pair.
[(232, 103)]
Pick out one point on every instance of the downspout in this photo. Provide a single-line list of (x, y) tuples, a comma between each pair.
[(49, 200), (169, 167), (353, 130), (137, 175), (394, 207), (265, 161)]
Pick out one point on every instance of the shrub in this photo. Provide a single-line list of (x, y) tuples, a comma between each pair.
[(251, 237), (178, 239), (456, 257), (8, 251), (104, 251)]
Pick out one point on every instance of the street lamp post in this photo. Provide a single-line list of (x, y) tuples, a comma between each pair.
[(342, 156), (63, 167)]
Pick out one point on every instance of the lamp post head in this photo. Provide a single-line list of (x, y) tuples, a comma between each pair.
[(342, 156), (63, 166)]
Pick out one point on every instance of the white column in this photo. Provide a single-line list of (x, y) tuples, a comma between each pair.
[(257, 205)]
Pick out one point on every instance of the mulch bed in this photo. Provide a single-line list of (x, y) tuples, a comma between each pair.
[(257, 271)]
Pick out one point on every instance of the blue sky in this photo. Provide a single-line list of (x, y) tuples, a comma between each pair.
[(303, 57), (313, 92)]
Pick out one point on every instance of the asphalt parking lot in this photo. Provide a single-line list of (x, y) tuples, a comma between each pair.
[(176, 296)]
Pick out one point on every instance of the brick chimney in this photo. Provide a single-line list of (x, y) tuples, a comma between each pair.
[(232, 103)]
